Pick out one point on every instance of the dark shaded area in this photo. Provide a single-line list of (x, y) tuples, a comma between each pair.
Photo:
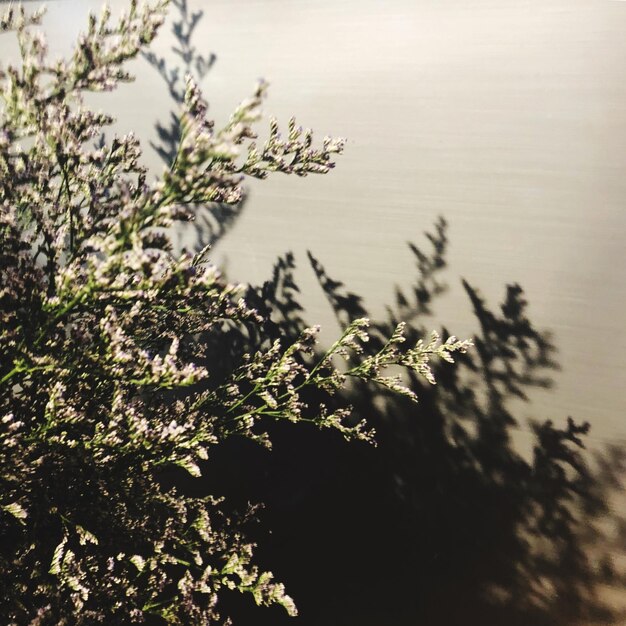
[(445, 522)]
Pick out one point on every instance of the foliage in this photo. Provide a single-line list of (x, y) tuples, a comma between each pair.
[(107, 385)]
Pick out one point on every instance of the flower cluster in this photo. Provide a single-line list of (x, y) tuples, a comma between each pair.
[(106, 379)]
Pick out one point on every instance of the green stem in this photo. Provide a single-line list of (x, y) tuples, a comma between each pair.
[(16, 370), (248, 395)]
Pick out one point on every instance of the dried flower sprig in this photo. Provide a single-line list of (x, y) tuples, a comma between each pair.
[(105, 374)]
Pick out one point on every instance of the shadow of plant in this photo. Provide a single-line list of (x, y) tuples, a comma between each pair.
[(213, 220), (445, 522)]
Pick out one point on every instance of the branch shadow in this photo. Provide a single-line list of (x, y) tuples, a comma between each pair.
[(445, 522), (212, 221)]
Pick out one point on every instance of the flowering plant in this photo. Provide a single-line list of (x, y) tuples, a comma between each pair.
[(106, 378)]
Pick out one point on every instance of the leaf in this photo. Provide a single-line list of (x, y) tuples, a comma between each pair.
[(188, 464), (16, 510), (85, 536), (55, 565), (138, 561)]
